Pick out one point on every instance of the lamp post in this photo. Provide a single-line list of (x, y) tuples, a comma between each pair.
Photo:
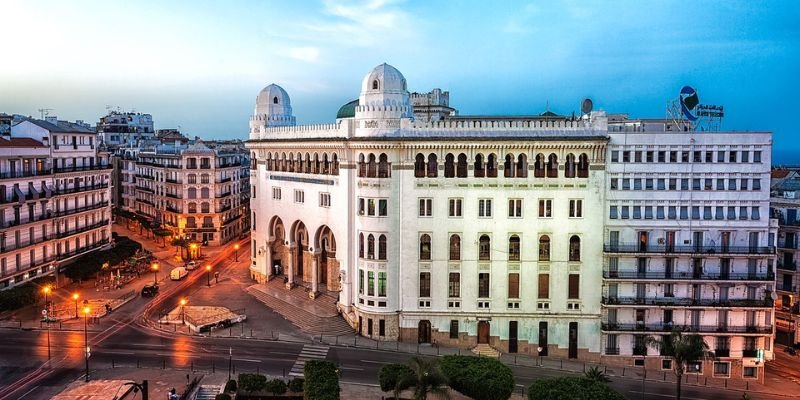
[(183, 310), (236, 252), (154, 267), (46, 314), (86, 311), (208, 275), (75, 297), (192, 246)]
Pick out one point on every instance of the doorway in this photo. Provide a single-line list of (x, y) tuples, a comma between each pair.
[(483, 332), (573, 340), (543, 338), (424, 333), (512, 336)]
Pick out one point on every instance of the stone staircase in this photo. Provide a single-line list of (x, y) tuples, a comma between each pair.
[(312, 316), (484, 350), (207, 392)]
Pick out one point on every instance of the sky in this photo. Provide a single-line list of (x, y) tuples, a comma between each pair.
[(199, 65)]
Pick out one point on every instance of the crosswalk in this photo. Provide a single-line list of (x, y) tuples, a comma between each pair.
[(208, 392), (309, 352)]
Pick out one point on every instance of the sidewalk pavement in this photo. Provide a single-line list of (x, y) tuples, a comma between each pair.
[(108, 383)]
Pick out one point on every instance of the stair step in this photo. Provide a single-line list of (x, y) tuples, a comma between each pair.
[(306, 321)]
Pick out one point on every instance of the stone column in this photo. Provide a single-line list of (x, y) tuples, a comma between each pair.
[(290, 267), (314, 277)]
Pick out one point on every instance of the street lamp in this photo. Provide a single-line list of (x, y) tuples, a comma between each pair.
[(86, 311), (236, 251), (208, 275), (46, 313), (183, 310), (154, 267), (192, 246), (75, 297)]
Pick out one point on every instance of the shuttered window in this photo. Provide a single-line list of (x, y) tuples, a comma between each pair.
[(544, 286), (574, 286), (513, 286)]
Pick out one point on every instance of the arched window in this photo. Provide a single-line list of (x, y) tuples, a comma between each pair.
[(583, 166), (544, 248), (372, 167), (538, 166), (300, 163), (307, 165), (269, 162), (433, 166), (491, 166), (382, 247), (361, 245), (335, 165), (552, 166), (480, 172), (205, 208), (425, 247), (449, 166), (192, 208), (513, 248), (325, 164), (204, 178), (575, 248), (208, 222), (569, 166), (508, 166), (455, 247), (192, 193), (362, 166), (384, 166), (371, 247), (275, 100), (290, 163), (522, 166), (461, 171), (375, 84), (253, 161), (419, 166), (204, 193), (192, 178), (484, 248)]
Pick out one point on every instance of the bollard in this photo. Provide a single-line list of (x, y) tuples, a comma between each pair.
[(251, 332), (605, 369), (747, 387), (213, 367), (726, 383), (562, 364), (623, 371), (584, 367), (706, 381), (515, 360), (376, 344), (137, 363), (230, 332), (234, 369), (354, 340), (665, 376), (163, 363)]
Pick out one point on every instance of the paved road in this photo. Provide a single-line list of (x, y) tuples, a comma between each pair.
[(124, 340)]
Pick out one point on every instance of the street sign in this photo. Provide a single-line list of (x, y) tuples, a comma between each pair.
[(44, 313)]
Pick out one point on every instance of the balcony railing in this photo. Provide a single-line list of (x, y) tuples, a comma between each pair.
[(173, 209), (145, 189), (223, 194), (22, 244), (750, 353), (142, 176), (223, 208), (25, 221), (171, 180), (84, 249), (691, 249), (232, 219), (722, 352), (62, 213), (612, 351), (738, 276), (223, 180), (98, 167), (75, 231), (145, 201), (79, 189), (668, 327), (792, 266), (25, 174), (172, 195), (678, 301)]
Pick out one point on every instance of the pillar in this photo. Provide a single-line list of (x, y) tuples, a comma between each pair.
[(290, 267), (269, 260), (314, 277)]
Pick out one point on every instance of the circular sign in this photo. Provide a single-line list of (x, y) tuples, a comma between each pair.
[(44, 312)]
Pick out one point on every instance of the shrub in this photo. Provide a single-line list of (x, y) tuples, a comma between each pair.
[(321, 381), (296, 385), (276, 386), (595, 374), (390, 374), (24, 295), (88, 265), (223, 396), (252, 382), (571, 388), (478, 377), (230, 386)]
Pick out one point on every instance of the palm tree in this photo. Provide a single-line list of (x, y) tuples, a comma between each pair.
[(426, 377), (684, 350), (597, 375)]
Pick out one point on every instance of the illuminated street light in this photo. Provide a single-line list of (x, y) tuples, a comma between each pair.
[(208, 275), (236, 252), (154, 267), (183, 309), (86, 311), (75, 297), (46, 313)]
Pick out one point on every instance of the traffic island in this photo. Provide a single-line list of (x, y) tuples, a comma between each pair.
[(202, 319)]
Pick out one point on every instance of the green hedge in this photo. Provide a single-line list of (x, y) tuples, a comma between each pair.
[(230, 386), (321, 381), (390, 374), (222, 396), (481, 378), (251, 382), (296, 385), (276, 386), (90, 264), (24, 295), (571, 388)]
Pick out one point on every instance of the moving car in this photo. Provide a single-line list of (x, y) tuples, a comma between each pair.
[(191, 266), (178, 273), (150, 290)]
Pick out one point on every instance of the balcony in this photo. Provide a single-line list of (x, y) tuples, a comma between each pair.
[(223, 194), (230, 165), (172, 180), (223, 180), (62, 213), (689, 302), (82, 169), (612, 351), (61, 191), (231, 219), (786, 288), (141, 176), (223, 208), (750, 353), (145, 189), (83, 249), (639, 350), (722, 353), (75, 231), (173, 209), (792, 266), (145, 201), (25, 221), (22, 244), (636, 248), (172, 195), (717, 276), (667, 327), (25, 174)]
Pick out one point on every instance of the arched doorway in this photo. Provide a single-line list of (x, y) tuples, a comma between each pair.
[(323, 263), (327, 266), (300, 245), (277, 243), (424, 331)]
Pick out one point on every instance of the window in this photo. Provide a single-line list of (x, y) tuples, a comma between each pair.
[(722, 369), (544, 286), (648, 212), (695, 212), (382, 247), (484, 248), (614, 183), (455, 208), (455, 248), (662, 156), (371, 247), (424, 284), (684, 184), (615, 156), (513, 248), (754, 213), (637, 156), (732, 156), (361, 281), (684, 212), (576, 208), (637, 184), (612, 212), (454, 285), (709, 156), (453, 329), (648, 184), (425, 207), (544, 248), (720, 156), (695, 367), (625, 212), (483, 284), (299, 196), (742, 213), (697, 156), (660, 212), (626, 156), (574, 248), (370, 283), (513, 285), (708, 184), (637, 212), (731, 213), (707, 212), (371, 207), (749, 372), (757, 156), (485, 208), (545, 208), (743, 184), (673, 184), (626, 184), (361, 245), (515, 208), (649, 156), (382, 327), (324, 199), (574, 285), (381, 284), (756, 184), (745, 156), (382, 208), (720, 184), (685, 157), (425, 247)]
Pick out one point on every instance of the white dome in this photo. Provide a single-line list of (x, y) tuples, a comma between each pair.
[(383, 79), (273, 98)]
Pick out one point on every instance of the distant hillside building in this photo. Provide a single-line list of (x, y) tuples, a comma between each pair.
[(125, 129)]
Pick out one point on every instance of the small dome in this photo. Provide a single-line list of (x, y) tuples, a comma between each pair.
[(348, 110), (273, 95), (383, 78)]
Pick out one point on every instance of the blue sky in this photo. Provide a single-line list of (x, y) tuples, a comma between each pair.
[(199, 65)]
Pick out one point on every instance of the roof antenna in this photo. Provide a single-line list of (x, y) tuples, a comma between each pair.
[(44, 112)]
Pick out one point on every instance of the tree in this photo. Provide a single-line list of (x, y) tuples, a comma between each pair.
[(426, 377), (180, 244), (684, 350), (595, 374), (571, 388)]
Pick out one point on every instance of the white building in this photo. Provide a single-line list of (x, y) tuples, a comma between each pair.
[(54, 197), (785, 206), (125, 129)]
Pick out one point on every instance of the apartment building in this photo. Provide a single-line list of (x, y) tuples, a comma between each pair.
[(785, 207)]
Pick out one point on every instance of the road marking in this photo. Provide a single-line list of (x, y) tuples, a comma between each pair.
[(129, 353), (178, 355), (671, 396), (309, 352), (352, 369), (28, 392), (375, 362), (247, 360)]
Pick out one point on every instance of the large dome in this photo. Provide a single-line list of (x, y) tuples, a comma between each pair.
[(273, 108), (383, 78), (271, 96)]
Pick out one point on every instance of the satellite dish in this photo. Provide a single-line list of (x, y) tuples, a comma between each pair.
[(586, 106), (689, 101)]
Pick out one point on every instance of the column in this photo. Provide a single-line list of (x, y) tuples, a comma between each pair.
[(269, 260), (314, 277), (290, 267)]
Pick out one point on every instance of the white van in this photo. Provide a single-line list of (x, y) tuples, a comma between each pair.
[(178, 273), (191, 266)]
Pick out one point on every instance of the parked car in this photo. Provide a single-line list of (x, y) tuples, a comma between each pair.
[(790, 350), (178, 273), (191, 265), (150, 290)]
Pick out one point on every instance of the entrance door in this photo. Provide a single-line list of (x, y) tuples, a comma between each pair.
[(543, 338), (360, 325), (573, 340), (299, 269), (424, 329), (323, 264), (512, 336), (483, 332)]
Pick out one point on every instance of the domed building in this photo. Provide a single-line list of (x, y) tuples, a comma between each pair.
[(273, 108)]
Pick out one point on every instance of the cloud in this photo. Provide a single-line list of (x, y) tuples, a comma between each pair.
[(307, 54)]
